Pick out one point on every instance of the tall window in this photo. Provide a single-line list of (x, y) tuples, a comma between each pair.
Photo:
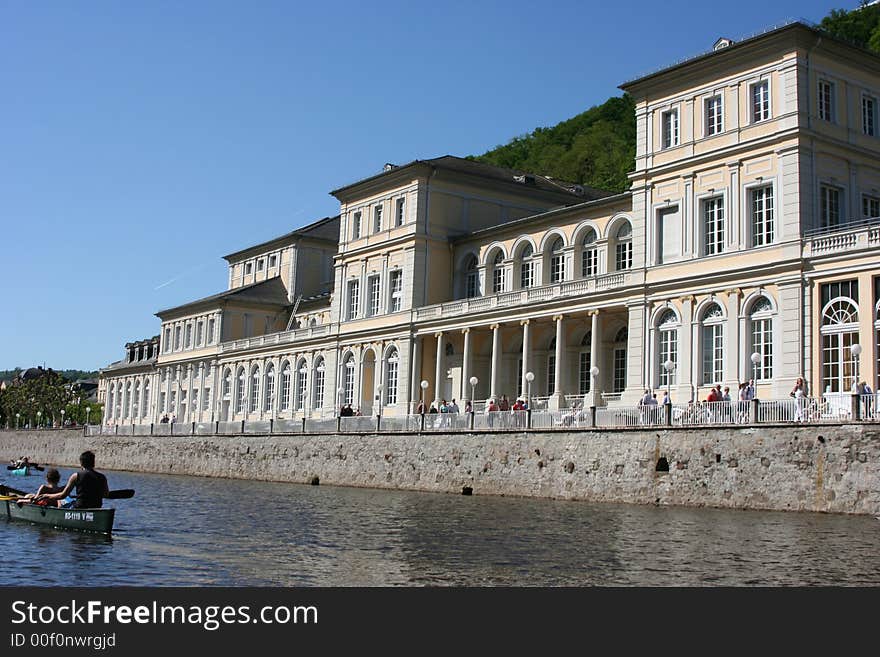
[(354, 295), (714, 115), (667, 330), (242, 391), (206, 399), (623, 248), (146, 407), (260, 264), (712, 334), (255, 390), (172, 402), (840, 331), (176, 338), (211, 331), (395, 283), (318, 385), (826, 100), (167, 340), (584, 365), (302, 381), (829, 207), (526, 268), (356, 225), (200, 332), (189, 335), (557, 261), (269, 404), (762, 215), (670, 128), (619, 382), (377, 218), (248, 268), (348, 380), (400, 212), (713, 225), (273, 260), (391, 368), (760, 101), (285, 386), (226, 389), (869, 116), (373, 286), (135, 410), (589, 255), (761, 318), (498, 273), (870, 207), (472, 278)]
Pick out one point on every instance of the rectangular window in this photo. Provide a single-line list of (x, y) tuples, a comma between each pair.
[(551, 374), (668, 351), (356, 226), (670, 128), (273, 260), (260, 264), (167, 340), (248, 268), (162, 407), (826, 100), (354, 290), (713, 353), (396, 285), (762, 344), (497, 279), (373, 287), (206, 399), (200, 332), (377, 218), (584, 373), (760, 101), (829, 207), (472, 284), (176, 338), (619, 382), (869, 116), (189, 335), (400, 212), (714, 115), (870, 207), (713, 226), (210, 331), (668, 234), (557, 268), (391, 382), (762, 215), (589, 262), (526, 276)]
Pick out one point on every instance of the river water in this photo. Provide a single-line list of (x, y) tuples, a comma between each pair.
[(189, 531)]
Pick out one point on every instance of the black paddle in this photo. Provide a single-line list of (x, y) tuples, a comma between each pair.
[(29, 465), (122, 494), (8, 490)]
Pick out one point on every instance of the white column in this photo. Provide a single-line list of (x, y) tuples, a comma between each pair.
[(465, 394), (438, 374), (496, 360), (594, 354), (733, 359), (415, 369), (558, 394), (189, 394), (526, 351)]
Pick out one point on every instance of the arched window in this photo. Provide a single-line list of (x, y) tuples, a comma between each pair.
[(302, 382), (498, 282), (255, 390), (242, 391), (285, 385), (557, 261), (584, 364), (135, 406), (761, 331), (146, 407), (318, 386), (472, 277), (269, 404), (619, 380), (840, 331), (551, 367), (391, 368), (126, 400), (712, 336), (623, 248), (111, 398), (526, 267), (667, 345), (589, 254), (348, 379)]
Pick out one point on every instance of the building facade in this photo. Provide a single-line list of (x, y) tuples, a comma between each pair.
[(747, 247)]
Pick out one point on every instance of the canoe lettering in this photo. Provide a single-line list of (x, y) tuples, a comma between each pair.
[(85, 516)]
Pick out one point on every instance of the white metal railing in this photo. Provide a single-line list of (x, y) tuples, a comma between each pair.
[(845, 237)]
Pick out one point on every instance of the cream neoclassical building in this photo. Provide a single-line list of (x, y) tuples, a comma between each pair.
[(752, 226)]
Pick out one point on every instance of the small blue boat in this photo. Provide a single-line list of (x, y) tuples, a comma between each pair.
[(21, 472)]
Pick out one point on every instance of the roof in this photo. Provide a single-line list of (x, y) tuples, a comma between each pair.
[(325, 230), (737, 46), (492, 172), (314, 302), (269, 293)]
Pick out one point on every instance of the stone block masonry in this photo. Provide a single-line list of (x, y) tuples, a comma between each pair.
[(829, 468)]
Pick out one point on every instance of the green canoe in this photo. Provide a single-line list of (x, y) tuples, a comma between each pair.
[(99, 521)]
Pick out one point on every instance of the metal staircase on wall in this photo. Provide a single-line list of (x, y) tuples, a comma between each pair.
[(293, 312)]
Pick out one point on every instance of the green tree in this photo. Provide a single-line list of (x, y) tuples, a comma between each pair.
[(860, 26)]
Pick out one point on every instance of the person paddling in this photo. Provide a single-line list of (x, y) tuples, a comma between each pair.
[(90, 485), (53, 477)]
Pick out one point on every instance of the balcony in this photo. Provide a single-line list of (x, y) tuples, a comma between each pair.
[(529, 296), (283, 337), (849, 237)]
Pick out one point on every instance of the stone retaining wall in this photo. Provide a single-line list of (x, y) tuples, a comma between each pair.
[(833, 468)]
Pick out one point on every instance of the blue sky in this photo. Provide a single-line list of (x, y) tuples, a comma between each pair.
[(141, 142)]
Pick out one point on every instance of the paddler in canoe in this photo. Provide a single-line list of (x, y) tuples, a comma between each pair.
[(53, 477), (89, 484)]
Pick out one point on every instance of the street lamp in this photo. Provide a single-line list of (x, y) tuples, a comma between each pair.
[(856, 349), (17, 415), (379, 389), (39, 413), (88, 408), (530, 376), (424, 386), (669, 366), (339, 392), (62, 418), (755, 358), (473, 381)]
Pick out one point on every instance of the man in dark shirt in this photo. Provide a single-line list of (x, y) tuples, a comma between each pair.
[(91, 486)]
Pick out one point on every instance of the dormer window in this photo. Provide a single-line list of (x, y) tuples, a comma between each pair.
[(248, 268), (260, 264), (273, 260)]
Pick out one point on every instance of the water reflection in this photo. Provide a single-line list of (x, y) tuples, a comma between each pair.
[(194, 531)]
